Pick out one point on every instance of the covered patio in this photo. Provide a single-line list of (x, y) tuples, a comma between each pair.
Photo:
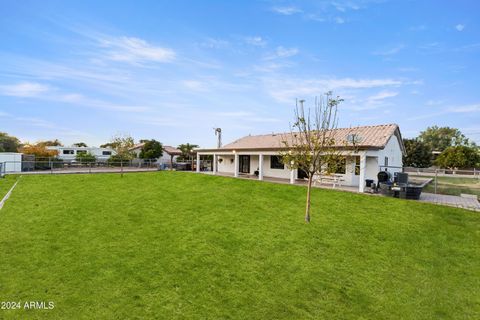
[(299, 182), (267, 166)]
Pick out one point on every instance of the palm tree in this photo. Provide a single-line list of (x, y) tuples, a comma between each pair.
[(187, 151)]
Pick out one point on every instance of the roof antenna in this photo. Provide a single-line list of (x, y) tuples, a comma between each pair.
[(218, 133)]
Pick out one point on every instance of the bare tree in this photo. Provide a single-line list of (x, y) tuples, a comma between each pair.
[(310, 145)]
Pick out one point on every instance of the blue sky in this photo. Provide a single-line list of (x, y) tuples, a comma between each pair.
[(173, 70)]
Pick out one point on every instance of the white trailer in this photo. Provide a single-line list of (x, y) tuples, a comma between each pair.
[(11, 162)]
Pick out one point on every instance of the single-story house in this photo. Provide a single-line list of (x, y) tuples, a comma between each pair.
[(69, 154), (170, 154), (375, 148)]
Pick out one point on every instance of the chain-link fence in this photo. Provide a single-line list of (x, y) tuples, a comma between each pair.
[(454, 182), (58, 167)]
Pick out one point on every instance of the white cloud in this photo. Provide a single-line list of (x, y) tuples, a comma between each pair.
[(421, 27), (286, 52), (462, 109), (36, 122), (234, 114), (472, 108), (81, 100), (468, 47), (24, 89), (288, 89), (256, 41), (460, 27), (35, 90), (433, 102), (343, 6), (390, 51), (314, 17), (383, 95), (215, 43), (371, 102), (282, 52), (287, 11), (339, 20), (135, 50), (246, 116), (194, 85), (407, 69)]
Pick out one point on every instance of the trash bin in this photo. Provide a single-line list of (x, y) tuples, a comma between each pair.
[(368, 183)]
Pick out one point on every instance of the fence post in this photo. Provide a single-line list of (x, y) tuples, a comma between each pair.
[(121, 168), (436, 178), (51, 165), (89, 167)]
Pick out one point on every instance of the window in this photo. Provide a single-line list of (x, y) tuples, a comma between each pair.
[(276, 162), (106, 153), (386, 161), (357, 166), (339, 167), (68, 151), (81, 151)]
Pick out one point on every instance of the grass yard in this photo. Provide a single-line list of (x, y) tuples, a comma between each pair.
[(455, 186), (7, 183), (172, 245)]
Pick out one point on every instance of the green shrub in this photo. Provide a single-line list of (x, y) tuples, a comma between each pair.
[(85, 158)]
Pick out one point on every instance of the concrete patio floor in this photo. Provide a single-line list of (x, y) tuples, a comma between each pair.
[(452, 201), (299, 182)]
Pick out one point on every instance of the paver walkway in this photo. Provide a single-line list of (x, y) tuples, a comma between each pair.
[(453, 201)]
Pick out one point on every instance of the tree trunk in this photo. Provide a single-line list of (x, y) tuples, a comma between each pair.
[(307, 207)]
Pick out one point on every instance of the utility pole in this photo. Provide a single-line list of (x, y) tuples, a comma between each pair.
[(218, 133)]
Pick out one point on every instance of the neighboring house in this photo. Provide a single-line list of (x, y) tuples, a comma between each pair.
[(376, 148), (170, 154), (69, 154)]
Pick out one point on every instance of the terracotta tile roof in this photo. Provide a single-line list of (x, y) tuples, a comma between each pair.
[(168, 149), (137, 146), (171, 150), (369, 137)]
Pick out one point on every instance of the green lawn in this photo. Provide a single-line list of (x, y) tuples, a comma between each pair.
[(6, 183), (181, 245)]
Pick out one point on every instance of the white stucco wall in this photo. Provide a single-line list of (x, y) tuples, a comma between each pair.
[(372, 169), (274, 173), (227, 164), (394, 153)]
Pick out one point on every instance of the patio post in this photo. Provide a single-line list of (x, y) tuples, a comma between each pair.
[(214, 165), (236, 164), (292, 176), (260, 167), (198, 162), (363, 167)]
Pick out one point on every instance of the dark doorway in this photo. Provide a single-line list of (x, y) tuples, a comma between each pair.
[(244, 164), (301, 174)]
